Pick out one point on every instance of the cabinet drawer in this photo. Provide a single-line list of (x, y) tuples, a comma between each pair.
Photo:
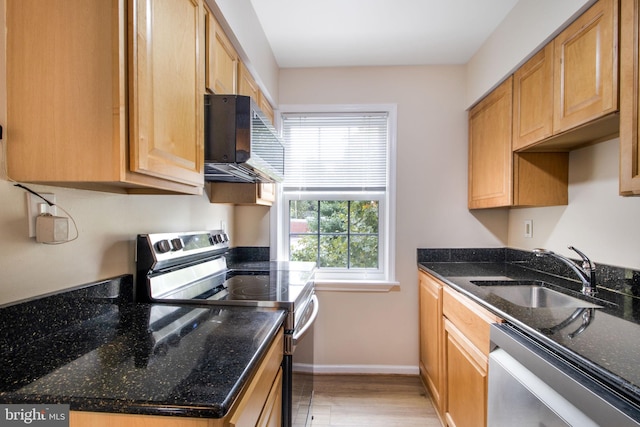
[(471, 320)]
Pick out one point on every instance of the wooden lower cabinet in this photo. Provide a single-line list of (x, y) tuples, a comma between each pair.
[(259, 403), (431, 351), (466, 373), (454, 352), (94, 419)]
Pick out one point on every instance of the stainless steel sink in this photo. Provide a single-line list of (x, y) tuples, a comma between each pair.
[(531, 294)]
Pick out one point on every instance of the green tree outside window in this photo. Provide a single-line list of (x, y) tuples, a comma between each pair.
[(335, 233)]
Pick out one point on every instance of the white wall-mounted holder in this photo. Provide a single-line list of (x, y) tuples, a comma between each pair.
[(36, 206)]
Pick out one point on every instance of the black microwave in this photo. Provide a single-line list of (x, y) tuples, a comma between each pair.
[(240, 143)]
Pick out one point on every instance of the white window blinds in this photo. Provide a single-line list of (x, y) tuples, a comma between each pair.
[(335, 151)]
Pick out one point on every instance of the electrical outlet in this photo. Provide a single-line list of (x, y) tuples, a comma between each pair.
[(34, 209), (528, 228)]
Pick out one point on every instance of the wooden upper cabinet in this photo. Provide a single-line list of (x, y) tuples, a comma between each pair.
[(533, 99), (541, 179), (167, 88), (629, 99), (71, 120), (497, 176), (586, 67), (246, 83), (266, 108), (247, 86), (222, 59), (490, 155), (240, 193)]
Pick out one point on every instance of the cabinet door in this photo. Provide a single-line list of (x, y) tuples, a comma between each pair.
[(222, 58), (466, 380), (272, 413), (585, 68), (431, 337), (490, 163), (267, 193), (629, 99), (266, 108), (257, 405), (533, 99), (247, 85), (167, 88), (65, 106)]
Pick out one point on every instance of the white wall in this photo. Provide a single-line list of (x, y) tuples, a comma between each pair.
[(597, 220), (247, 34), (524, 30), (379, 331), (108, 225)]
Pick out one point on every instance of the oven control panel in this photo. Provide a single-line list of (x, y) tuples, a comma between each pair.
[(168, 247)]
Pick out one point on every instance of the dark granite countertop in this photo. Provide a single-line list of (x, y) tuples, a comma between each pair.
[(95, 349), (606, 348)]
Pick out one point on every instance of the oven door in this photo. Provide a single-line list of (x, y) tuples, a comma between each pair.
[(302, 367)]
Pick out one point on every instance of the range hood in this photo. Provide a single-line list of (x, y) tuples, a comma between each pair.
[(240, 144)]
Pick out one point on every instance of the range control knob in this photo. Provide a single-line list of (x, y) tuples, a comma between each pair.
[(163, 246), (224, 237), (177, 244)]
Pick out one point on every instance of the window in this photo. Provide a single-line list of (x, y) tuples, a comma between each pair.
[(335, 207)]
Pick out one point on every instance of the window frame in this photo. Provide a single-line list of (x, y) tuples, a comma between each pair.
[(384, 277), (343, 273)]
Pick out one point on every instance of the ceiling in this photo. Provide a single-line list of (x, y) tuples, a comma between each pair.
[(336, 33)]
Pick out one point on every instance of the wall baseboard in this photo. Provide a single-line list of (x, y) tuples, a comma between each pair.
[(360, 369)]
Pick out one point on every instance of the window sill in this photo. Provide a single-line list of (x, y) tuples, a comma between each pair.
[(356, 286)]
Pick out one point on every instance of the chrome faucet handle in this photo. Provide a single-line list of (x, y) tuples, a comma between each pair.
[(589, 268), (587, 265)]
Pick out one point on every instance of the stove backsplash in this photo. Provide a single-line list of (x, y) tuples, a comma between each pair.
[(248, 254)]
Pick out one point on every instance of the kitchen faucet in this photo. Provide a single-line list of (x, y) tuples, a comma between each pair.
[(586, 272)]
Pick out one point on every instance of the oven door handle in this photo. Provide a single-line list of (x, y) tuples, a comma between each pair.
[(298, 335)]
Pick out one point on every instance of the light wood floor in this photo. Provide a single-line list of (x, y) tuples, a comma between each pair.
[(372, 400)]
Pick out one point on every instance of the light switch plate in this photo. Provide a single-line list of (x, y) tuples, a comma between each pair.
[(528, 228)]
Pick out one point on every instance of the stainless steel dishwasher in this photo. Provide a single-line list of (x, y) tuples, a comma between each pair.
[(531, 386)]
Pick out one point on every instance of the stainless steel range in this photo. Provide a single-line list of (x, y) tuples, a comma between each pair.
[(191, 268)]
